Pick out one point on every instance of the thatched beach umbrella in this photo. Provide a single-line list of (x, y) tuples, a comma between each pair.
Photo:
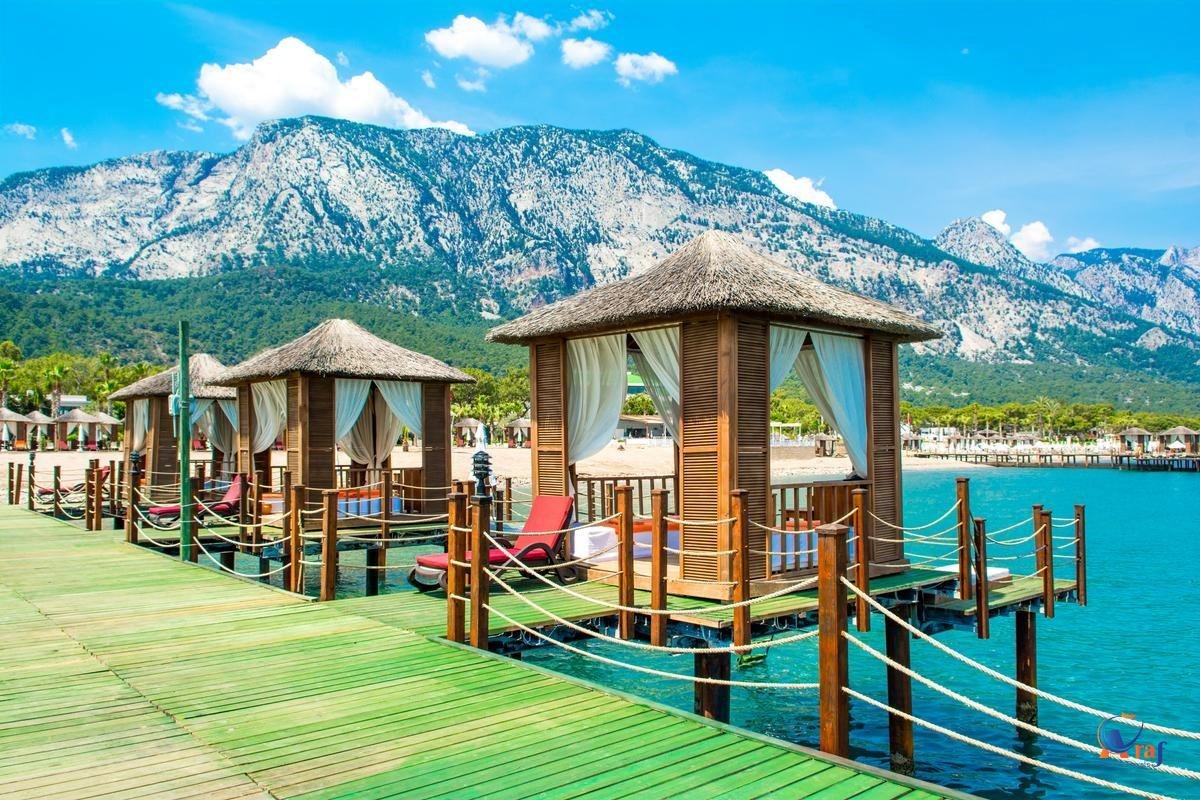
[(13, 426), (76, 419), (339, 385)]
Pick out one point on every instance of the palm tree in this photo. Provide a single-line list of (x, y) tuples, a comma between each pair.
[(54, 377), (8, 368), (103, 389)]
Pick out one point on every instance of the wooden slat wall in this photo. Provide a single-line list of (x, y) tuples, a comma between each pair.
[(295, 434), (162, 452), (753, 440), (435, 436), (320, 422), (245, 458), (699, 465), (884, 441), (547, 371)]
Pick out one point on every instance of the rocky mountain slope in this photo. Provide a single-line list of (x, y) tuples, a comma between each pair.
[(493, 224)]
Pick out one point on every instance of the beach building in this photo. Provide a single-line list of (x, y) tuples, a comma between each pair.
[(1179, 440), (339, 386), (643, 426), (79, 422), (1134, 440), (14, 429), (466, 431), (713, 329), (40, 425), (517, 430)]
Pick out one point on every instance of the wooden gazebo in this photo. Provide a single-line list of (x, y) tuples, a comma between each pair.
[(1181, 439), (15, 428), (75, 420), (1135, 440), (150, 428), (714, 328), (339, 385), (41, 424)]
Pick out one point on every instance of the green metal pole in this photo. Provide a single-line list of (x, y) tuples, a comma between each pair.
[(184, 437)]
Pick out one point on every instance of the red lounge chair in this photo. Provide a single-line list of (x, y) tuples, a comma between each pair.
[(79, 487), (225, 506), (548, 513)]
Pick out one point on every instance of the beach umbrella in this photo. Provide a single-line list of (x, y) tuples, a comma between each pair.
[(481, 437)]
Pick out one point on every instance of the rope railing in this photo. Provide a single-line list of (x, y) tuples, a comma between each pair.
[(908, 528), (217, 561), (939, 536), (1000, 676)]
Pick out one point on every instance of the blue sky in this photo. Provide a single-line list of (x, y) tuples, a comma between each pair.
[(1082, 117)]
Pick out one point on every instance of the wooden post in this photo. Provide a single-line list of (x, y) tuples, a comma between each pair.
[(1045, 542), (963, 490), (385, 505), (833, 659), (711, 700), (256, 515), (113, 488), (625, 576), (11, 473), (982, 610), (88, 485), (1080, 557), (456, 574), (329, 553), (187, 533), (31, 483), (862, 559), (201, 481), (97, 500), (740, 566), (1027, 702), (132, 476), (480, 632), (56, 483), (374, 570), (899, 691), (229, 560), (658, 566), (294, 576), (508, 499)]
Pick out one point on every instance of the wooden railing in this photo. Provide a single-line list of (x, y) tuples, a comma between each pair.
[(595, 495)]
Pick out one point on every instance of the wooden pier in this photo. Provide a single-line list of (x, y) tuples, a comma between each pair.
[(127, 674)]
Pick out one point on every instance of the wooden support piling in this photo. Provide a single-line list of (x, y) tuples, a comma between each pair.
[(12, 468), (294, 576), (187, 533), (113, 488), (329, 551), (625, 576), (88, 486), (31, 483), (456, 575), (982, 610), (963, 492), (56, 484), (229, 559), (1080, 556), (375, 563), (132, 477), (658, 566), (480, 632), (1027, 701), (899, 691), (740, 565), (508, 499), (833, 657), (1045, 543), (862, 559), (386, 491), (711, 700), (98, 481)]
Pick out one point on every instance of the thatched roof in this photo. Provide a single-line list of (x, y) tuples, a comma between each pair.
[(77, 415), (467, 422), (1134, 432), (714, 272), (8, 415), (1179, 430), (107, 419), (341, 349), (38, 418), (202, 368)]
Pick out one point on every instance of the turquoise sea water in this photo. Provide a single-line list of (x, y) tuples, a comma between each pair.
[(1135, 648)]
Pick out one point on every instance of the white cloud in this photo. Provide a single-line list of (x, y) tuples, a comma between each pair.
[(497, 45), (648, 67), (475, 84), (1077, 245), (534, 29), (1033, 239), (427, 79), (996, 218), (190, 125), (343, 59), (966, 51), (68, 139), (590, 20), (800, 188), (292, 79), (21, 129), (580, 53)]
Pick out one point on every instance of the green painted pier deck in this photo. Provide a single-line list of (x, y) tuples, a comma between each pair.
[(127, 674)]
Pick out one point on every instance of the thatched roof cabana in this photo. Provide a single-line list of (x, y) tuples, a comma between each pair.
[(13, 425), (1181, 437), (713, 329), (341, 386), (202, 368)]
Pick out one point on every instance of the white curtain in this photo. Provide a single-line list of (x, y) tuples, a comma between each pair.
[(658, 364), (404, 400), (785, 346), (388, 425), (139, 423), (834, 375), (270, 412), (200, 408), (359, 442), (595, 393), (230, 409), (350, 396), (222, 434)]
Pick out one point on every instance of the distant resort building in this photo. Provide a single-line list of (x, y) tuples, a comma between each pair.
[(1180, 439), (1134, 440), (641, 426)]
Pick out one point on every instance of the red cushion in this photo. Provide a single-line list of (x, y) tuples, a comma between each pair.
[(495, 556), (165, 511), (547, 513)]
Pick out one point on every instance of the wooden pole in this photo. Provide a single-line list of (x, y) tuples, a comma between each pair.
[(658, 565), (131, 497), (1080, 556), (11, 472), (183, 435), (508, 499), (833, 658), (480, 631), (625, 576), (187, 536), (97, 500), (862, 559), (329, 553), (295, 572), (740, 565), (56, 484), (17, 490), (113, 488), (982, 610), (1027, 702), (88, 486), (963, 491), (1045, 542), (711, 700), (30, 483), (899, 691), (456, 574)]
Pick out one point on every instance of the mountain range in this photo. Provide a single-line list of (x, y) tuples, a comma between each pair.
[(428, 225)]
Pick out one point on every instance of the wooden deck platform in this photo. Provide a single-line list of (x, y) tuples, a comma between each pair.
[(126, 674)]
